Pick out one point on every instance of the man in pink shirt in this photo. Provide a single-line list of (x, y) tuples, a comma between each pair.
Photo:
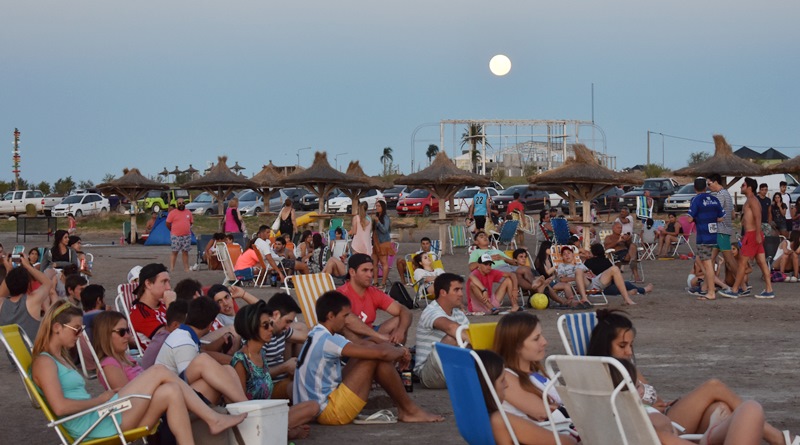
[(179, 223), (365, 301)]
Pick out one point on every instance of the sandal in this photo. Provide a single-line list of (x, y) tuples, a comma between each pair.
[(495, 311), (381, 417)]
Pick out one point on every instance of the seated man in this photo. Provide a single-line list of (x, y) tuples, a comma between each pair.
[(181, 355), (625, 251), (502, 262), (343, 392), (402, 268), (286, 257), (571, 270), (210, 254), (599, 264), (480, 295), (528, 279), (153, 295), (625, 219), (264, 245), (366, 299), (280, 357), (176, 316), (438, 324)]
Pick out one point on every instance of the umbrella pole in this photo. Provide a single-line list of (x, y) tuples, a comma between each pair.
[(587, 218), (134, 211), (443, 239)]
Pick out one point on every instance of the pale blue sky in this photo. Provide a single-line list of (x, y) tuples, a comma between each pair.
[(96, 86)]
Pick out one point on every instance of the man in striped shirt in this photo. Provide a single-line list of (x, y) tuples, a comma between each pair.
[(343, 392), (283, 310)]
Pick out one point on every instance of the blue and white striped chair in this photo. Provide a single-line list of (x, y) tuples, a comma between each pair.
[(575, 331)]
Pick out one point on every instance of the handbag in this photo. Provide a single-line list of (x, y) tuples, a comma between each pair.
[(277, 224)]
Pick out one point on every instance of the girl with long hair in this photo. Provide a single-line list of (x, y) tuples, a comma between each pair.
[(65, 389), (233, 218), (288, 220), (383, 243), (362, 231), (544, 265), (60, 254), (777, 215)]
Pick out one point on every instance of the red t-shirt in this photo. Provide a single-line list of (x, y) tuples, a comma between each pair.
[(515, 205), (366, 307), (180, 222), (474, 304), (146, 320)]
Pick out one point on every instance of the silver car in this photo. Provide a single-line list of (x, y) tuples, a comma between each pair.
[(251, 203), (681, 200), (205, 204)]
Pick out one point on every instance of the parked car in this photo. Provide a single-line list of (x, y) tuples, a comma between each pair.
[(206, 204), (418, 202), (158, 200), (311, 201), (496, 185), (463, 199), (659, 188), (16, 202), (295, 194), (680, 200), (342, 203), (81, 205), (608, 202), (251, 203), (773, 186), (535, 200), (394, 194)]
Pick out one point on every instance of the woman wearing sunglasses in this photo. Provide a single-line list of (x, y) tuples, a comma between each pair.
[(110, 339), (65, 389)]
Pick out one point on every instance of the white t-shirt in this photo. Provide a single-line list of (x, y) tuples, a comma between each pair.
[(427, 335), (788, 201), (627, 225), (265, 247), (178, 351)]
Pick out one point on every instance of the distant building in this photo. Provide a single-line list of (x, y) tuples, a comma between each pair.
[(534, 154), (770, 156)]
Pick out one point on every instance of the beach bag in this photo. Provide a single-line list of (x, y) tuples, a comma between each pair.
[(277, 224), (400, 294), (778, 276)]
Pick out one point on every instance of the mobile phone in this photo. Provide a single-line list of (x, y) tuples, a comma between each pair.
[(18, 250)]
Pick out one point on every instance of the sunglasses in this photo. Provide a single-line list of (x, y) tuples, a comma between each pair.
[(77, 330), (122, 331)]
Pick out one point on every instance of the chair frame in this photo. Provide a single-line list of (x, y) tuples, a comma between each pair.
[(506, 235), (123, 304), (683, 238), (555, 256), (224, 257), (575, 331), (453, 230), (303, 285)]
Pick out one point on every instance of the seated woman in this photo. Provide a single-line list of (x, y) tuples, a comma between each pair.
[(668, 235), (33, 257), (424, 272), (60, 255), (786, 257), (77, 245), (696, 279), (316, 260), (614, 336), (210, 254), (569, 271), (520, 343), (306, 247), (65, 390), (527, 432), (248, 266), (253, 324), (543, 264), (598, 264)]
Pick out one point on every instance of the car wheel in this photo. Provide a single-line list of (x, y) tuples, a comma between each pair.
[(103, 211), (156, 208), (78, 214), (349, 209), (209, 212), (426, 211)]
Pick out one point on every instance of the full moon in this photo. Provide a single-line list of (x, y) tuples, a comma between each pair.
[(500, 65)]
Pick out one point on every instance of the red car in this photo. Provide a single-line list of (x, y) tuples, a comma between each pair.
[(418, 202)]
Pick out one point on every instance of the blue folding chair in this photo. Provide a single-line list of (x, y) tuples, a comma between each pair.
[(561, 230), (506, 235), (466, 396), (576, 331)]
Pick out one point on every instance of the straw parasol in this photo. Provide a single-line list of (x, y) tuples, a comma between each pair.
[(191, 171), (584, 178), (164, 172), (443, 179), (219, 182), (789, 166), (237, 168), (361, 184), (268, 180), (320, 177), (724, 163), (133, 186)]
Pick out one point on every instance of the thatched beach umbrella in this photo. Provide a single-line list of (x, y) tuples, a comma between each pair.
[(361, 184), (268, 180), (320, 177), (443, 179), (789, 166), (237, 168), (584, 178), (133, 186), (164, 172), (724, 163), (191, 171), (219, 182)]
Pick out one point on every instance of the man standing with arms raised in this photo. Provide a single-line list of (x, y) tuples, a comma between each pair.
[(706, 211), (752, 243)]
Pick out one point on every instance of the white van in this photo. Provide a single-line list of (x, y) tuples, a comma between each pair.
[(773, 183)]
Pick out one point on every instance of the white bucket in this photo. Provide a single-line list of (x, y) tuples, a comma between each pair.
[(267, 421)]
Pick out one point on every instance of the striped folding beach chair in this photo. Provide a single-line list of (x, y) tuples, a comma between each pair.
[(575, 331)]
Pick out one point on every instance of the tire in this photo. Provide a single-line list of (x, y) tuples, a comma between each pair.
[(349, 210), (103, 211), (426, 211), (257, 211), (156, 208), (78, 214), (209, 212)]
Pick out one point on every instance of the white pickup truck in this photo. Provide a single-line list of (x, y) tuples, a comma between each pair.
[(16, 201)]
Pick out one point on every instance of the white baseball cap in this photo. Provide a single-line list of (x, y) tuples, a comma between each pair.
[(133, 275)]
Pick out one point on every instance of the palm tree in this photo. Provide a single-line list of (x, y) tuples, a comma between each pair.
[(433, 150), (387, 158), (473, 135)]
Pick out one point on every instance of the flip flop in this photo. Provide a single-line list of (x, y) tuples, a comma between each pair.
[(704, 298), (382, 417)]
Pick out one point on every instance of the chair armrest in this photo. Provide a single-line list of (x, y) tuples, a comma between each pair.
[(119, 405)]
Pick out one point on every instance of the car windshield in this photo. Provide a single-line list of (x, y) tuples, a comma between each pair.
[(418, 193), (652, 185), (249, 196), (154, 194), (397, 189), (204, 197), (341, 195), (511, 190), (74, 199), (687, 189), (467, 193)]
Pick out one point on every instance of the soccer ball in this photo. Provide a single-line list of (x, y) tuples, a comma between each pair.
[(539, 301)]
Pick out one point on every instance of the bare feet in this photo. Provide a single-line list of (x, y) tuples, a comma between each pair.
[(418, 416), (225, 421), (648, 288), (299, 432)]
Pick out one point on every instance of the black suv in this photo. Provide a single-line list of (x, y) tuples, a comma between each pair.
[(535, 200), (392, 195), (660, 189)]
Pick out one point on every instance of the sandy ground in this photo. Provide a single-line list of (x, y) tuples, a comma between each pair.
[(750, 344)]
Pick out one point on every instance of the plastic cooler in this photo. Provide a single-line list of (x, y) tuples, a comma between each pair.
[(267, 421)]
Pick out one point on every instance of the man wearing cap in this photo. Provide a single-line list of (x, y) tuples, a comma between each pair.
[(179, 222), (706, 212), (502, 262), (480, 296), (365, 301), (153, 295)]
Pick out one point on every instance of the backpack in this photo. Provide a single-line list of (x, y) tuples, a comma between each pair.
[(777, 276), (400, 294)]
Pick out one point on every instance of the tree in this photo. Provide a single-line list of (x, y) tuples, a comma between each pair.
[(386, 160), (654, 170), (471, 137), (108, 177), (63, 186), (44, 187), (86, 184), (431, 153), (698, 157)]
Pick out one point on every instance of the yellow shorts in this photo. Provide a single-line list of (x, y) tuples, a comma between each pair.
[(343, 407)]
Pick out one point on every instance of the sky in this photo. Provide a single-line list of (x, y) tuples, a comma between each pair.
[(97, 86)]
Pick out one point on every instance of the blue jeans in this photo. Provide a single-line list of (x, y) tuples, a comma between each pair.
[(611, 289)]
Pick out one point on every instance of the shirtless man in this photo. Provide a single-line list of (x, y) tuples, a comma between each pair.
[(752, 244)]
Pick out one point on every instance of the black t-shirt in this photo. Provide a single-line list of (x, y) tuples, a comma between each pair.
[(765, 203), (598, 265)]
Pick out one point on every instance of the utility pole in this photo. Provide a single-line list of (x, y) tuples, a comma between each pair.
[(648, 147), (16, 159)]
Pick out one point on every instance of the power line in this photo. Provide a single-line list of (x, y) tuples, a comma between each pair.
[(711, 142)]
